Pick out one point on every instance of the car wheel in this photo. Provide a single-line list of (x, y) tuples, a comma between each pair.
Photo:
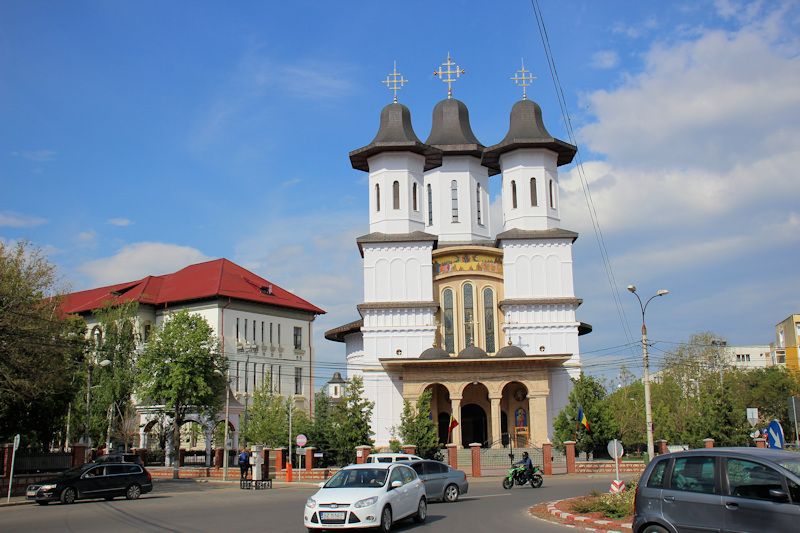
[(507, 483), (654, 528), (386, 520), (68, 495), (451, 494), (42, 503), (133, 492), (422, 511)]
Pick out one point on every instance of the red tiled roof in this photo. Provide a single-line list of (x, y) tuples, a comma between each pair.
[(218, 278)]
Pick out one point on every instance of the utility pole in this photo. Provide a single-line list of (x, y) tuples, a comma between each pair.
[(648, 408)]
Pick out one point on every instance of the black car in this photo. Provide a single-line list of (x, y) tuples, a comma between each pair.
[(93, 480), (120, 458)]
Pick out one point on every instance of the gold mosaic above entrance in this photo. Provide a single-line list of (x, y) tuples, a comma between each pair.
[(467, 262)]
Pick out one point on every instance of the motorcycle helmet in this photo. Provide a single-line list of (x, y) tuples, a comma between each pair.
[(524, 455)]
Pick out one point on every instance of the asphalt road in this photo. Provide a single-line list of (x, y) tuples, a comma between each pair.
[(200, 507)]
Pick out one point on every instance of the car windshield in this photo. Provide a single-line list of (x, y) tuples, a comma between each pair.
[(357, 478), (793, 465)]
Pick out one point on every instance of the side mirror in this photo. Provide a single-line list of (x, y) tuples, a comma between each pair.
[(778, 495), (395, 484)]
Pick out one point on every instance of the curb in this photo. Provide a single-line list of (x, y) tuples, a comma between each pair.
[(584, 522)]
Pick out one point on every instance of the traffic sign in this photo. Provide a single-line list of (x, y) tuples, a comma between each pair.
[(615, 449), (752, 416), (301, 440), (317, 454), (775, 435)]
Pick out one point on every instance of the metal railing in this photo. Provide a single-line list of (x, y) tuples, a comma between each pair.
[(31, 463)]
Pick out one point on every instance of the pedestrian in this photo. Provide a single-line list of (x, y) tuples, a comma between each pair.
[(244, 462)]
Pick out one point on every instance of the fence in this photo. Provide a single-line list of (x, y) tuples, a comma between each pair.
[(33, 462), (194, 458)]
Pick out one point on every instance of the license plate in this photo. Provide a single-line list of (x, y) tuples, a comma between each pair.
[(333, 515), (31, 494)]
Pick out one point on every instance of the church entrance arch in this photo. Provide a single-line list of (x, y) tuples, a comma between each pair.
[(440, 410), (473, 421), (515, 406)]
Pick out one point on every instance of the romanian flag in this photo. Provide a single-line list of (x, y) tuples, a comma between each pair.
[(582, 419), (453, 424)]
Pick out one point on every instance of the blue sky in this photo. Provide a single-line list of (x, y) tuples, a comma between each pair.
[(139, 137)]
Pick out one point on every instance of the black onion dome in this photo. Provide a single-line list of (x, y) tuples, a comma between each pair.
[(510, 351), (526, 130), (472, 352), (395, 135), (434, 353), (451, 131)]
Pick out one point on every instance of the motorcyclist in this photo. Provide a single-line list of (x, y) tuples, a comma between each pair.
[(527, 463)]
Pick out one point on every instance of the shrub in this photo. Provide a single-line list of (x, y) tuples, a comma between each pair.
[(613, 506)]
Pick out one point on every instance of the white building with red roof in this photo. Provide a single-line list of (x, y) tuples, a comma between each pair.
[(265, 330)]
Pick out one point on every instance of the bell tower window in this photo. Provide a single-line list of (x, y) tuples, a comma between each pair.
[(447, 319), (377, 197), (469, 316), (414, 197), (552, 196), (534, 199), (430, 206), (454, 199), (396, 195), (513, 194), (478, 196), (488, 319)]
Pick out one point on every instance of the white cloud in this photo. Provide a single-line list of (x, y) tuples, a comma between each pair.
[(138, 260), (634, 31), (17, 220), (38, 156), (86, 237), (604, 59), (291, 182), (119, 222)]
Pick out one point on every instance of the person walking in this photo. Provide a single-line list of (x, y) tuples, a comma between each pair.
[(244, 463)]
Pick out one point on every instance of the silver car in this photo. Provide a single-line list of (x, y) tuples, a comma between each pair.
[(441, 481), (719, 489)]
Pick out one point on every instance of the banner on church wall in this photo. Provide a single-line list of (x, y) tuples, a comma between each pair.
[(449, 264)]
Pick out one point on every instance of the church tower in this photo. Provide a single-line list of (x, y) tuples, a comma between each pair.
[(457, 192)]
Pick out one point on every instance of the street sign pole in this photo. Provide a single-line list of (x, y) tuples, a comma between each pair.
[(794, 412), (13, 457)]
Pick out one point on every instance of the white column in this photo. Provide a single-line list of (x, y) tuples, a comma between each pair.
[(455, 406), (497, 441)]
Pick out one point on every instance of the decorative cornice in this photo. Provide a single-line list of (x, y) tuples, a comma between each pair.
[(542, 301), (397, 305), (528, 234), (338, 334), (378, 238)]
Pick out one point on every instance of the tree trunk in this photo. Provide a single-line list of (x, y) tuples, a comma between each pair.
[(176, 442)]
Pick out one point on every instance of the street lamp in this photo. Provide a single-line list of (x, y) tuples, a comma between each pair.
[(648, 409), (104, 362)]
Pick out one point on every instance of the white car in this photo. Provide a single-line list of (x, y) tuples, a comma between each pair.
[(385, 457), (367, 496)]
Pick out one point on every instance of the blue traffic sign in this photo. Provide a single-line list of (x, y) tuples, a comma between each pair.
[(775, 435)]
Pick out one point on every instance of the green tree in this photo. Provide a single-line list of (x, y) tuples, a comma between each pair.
[(417, 428), (181, 368), (590, 394), (351, 418), (626, 410), (42, 351), (322, 428), (268, 420)]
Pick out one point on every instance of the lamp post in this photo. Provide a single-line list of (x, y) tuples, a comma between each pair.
[(648, 409), (90, 368)]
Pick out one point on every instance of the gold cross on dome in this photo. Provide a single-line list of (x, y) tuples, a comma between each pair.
[(449, 74), (523, 78), (394, 81)]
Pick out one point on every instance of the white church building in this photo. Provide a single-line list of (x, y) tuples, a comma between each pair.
[(486, 322)]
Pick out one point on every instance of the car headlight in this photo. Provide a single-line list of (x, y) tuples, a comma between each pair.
[(366, 502), (311, 503), (47, 487)]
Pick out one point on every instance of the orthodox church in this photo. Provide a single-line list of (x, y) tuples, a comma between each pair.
[(486, 322)]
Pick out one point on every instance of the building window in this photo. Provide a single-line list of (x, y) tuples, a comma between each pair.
[(279, 379), (478, 199), (237, 329), (396, 195), (488, 319), (147, 329), (254, 331), (262, 332), (298, 380), (298, 338), (245, 330), (97, 336), (270, 332), (449, 333), (469, 316), (279, 334), (414, 196), (454, 199), (237, 375), (534, 198), (263, 367), (552, 196), (377, 197), (430, 206), (513, 194), (271, 368)]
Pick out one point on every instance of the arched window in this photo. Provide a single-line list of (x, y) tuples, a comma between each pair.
[(447, 319), (478, 195), (469, 316), (454, 199), (534, 199), (396, 195), (552, 196), (97, 336), (513, 194), (430, 206), (488, 319), (414, 196), (377, 197)]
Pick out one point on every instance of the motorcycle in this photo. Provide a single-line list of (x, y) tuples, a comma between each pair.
[(519, 475)]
